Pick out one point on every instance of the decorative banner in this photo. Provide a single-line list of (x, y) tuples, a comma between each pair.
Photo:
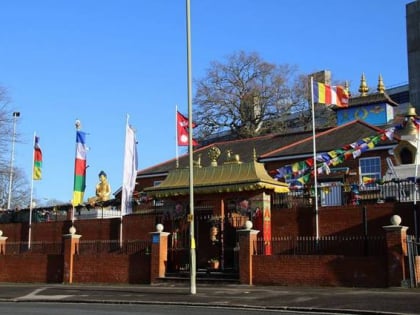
[(301, 171), (37, 169), (79, 168)]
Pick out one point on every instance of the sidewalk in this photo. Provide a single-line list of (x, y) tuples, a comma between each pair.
[(355, 301)]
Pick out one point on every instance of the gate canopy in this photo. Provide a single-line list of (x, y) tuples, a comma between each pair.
[(230, 177)]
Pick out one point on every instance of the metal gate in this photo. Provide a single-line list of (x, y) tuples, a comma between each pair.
[(412, 252), (215, 239)]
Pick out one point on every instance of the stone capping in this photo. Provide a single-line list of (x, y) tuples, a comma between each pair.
[(252, 232), (160, 233), (390, 228), (75, 236)]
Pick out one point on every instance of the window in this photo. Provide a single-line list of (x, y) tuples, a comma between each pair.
[(370, 171)]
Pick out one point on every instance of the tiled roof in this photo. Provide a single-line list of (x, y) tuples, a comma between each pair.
[(217, 179), (373, 98), (276, 146), (243, 147), (328, 140)]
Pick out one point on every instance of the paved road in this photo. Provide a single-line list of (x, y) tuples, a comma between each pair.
[(51, 308), (350, 300)]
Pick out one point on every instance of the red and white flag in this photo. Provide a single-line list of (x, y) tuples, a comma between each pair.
[(182, 130)]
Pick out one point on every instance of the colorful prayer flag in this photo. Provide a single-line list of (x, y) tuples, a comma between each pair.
[(330, 95), (37, 172), (182, 130), (79, 168), (368, 180), (416, 122)]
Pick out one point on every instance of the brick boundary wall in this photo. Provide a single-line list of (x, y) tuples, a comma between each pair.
[(109, 268), (31, 268), (346, 220), (316, 270)]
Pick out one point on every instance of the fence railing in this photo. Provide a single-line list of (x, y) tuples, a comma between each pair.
[(85, 247), (350, 194), (113, 246), (325, 245), (50, 248)]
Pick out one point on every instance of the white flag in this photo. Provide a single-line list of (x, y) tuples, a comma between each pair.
[(130, 170)]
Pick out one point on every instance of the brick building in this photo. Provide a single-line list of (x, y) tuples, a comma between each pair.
[(349, 241)]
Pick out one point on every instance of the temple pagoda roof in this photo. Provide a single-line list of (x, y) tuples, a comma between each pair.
[(233, 176)]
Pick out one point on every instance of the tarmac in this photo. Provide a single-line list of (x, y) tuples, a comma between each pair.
[(307, 299)]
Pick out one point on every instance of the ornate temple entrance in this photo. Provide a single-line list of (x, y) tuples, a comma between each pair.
[(226, 196), (215, 237)]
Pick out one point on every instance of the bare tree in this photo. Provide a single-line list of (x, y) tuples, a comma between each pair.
[(20, 189), (247, 96), (20, 186), (5, 127)]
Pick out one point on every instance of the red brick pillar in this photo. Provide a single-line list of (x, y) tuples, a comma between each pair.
[(2, 243), (417, 266), (71, 246), (396, 242), (261, 204), (159, 253), (247, 248)]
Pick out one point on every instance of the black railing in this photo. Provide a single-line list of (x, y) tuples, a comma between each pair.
[(113, 246), (349, 194), (51, 248), (325, 245)]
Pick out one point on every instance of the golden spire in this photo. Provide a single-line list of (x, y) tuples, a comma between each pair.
[(363, 89), (347, 87), (410, 128), (381, 86)]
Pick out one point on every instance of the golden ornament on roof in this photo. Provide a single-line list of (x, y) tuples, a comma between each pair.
[(214, 154)]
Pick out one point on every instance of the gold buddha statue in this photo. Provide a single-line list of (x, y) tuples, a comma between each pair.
[(103, 189)]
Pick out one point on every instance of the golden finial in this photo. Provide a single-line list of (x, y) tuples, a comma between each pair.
[(411, 111), (347, 87), (381, 86), (254, 154), (214, 153), (363, 89), (410, 128), (78, 124), (228, 155), (197, 163), (230, 158)]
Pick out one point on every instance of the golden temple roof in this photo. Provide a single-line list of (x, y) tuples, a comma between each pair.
[(229, 177)]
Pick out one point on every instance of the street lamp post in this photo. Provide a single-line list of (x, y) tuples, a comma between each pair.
[(15, 117)]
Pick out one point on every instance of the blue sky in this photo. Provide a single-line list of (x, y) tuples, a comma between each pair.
[(98, 61)]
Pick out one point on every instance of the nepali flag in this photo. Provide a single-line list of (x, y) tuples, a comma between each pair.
[(182, 130)]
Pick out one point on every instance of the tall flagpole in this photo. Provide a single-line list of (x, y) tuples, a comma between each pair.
[(78, 126), (31, 199), (123, 186), (415, 182), (193, 288), (176, 136), (315, 166), (12, 158)]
